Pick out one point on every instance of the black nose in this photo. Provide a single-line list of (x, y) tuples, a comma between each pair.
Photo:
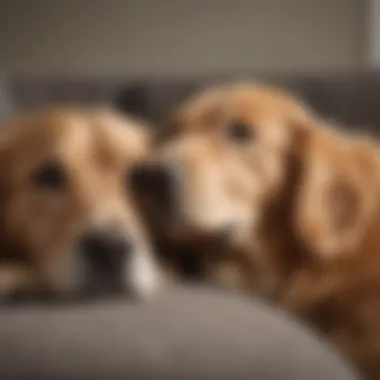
[(105, 251), (158, 180)]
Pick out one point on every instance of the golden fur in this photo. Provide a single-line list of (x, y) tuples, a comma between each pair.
[(291, 208), (41, 225)]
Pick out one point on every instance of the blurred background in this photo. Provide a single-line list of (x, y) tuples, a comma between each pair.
[(129, 38), (148, 55)]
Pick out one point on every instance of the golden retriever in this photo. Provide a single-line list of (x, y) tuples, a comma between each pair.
[(281, 204), (69, 222)]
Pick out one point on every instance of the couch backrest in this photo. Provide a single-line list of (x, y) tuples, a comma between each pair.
[(353, 100), (26, 93)]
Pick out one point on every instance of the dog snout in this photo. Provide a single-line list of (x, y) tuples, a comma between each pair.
[(105, 251), (158, 180)]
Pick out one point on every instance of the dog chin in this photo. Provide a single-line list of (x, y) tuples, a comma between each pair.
[(206, 227), (229, 230)]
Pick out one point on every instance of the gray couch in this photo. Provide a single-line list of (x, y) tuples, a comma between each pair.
[(183, 334), (350, 99), (187, 333)]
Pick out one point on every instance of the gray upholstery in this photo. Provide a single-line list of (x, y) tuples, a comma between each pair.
[(183, 334), (350, 99)]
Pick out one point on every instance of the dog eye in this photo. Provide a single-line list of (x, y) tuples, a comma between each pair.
[(239, 132), (49, 176)]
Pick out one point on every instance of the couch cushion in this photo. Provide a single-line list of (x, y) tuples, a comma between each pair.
[(185, 333)]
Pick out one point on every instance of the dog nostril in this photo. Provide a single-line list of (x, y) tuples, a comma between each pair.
[(105, 250)]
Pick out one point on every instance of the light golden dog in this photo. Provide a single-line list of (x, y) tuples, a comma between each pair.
[(283, 206), (69, 223)]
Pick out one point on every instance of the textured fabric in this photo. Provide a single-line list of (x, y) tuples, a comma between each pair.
[(31, 93), (183, 334), (352, 100)]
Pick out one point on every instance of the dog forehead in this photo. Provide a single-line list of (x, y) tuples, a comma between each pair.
[(75, 132), (248, 103), (104, 131), (123, 133)]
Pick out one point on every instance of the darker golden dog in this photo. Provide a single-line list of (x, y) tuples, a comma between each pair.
[(281, 205), (69, 223)]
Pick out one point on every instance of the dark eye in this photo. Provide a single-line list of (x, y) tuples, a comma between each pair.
[(239, 132), (50, 176)]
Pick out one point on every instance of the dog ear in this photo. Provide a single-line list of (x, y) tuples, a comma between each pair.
[(336, 197), (9, 149), (6, 137)]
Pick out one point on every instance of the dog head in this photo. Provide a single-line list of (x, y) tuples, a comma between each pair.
[(224, 156), (251, 164), (67, 209)]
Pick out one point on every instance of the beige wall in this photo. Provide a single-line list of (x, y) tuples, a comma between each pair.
[(122, 37)]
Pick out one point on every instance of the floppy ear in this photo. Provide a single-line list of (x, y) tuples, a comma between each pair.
[(336, 198), (6, 135), (4, 143), (9, 137)]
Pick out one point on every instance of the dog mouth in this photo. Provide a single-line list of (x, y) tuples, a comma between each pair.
[(94, 274), (137, 277), (227, 231)]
